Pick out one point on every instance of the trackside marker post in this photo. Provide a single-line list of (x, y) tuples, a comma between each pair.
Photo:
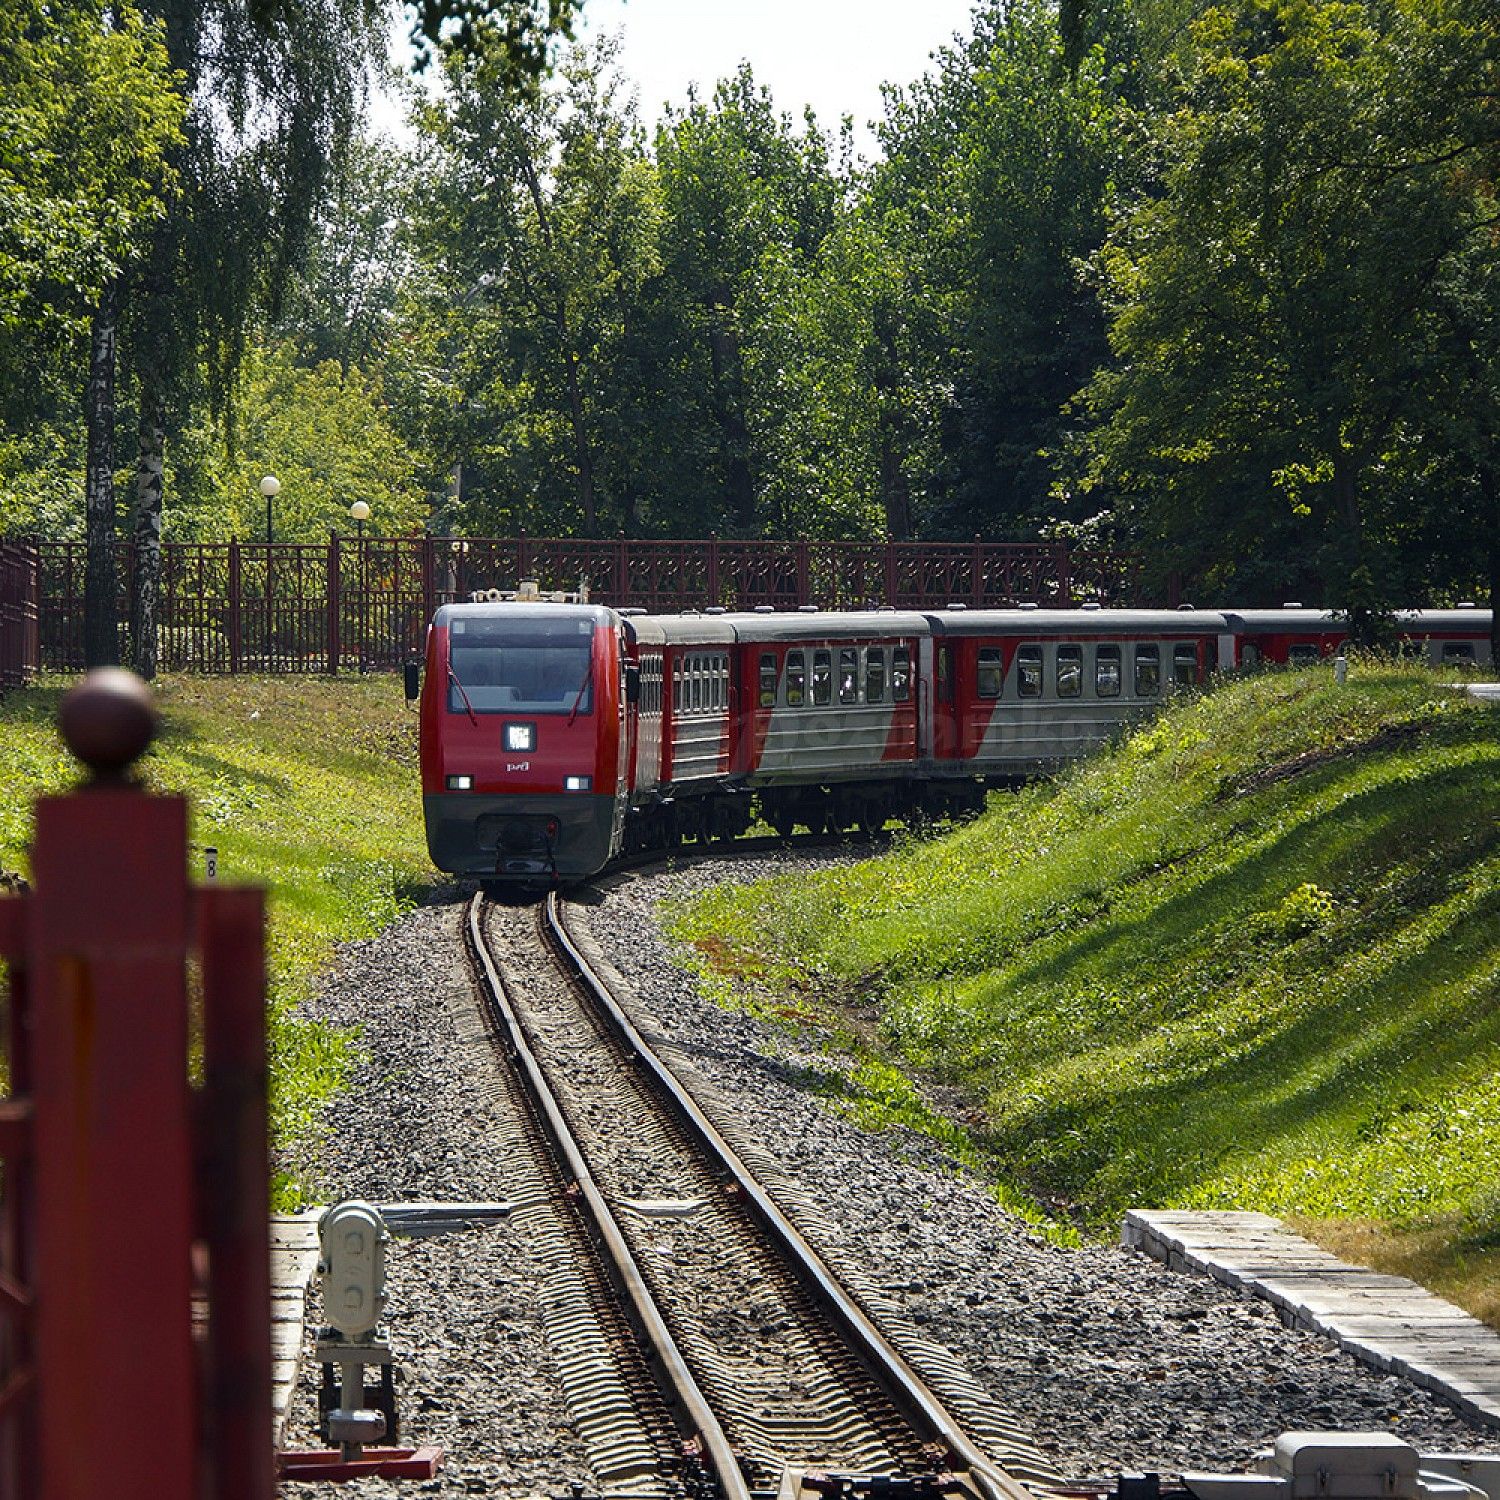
[(138, 1236)]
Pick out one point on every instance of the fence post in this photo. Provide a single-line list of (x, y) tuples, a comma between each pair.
[(234, 607), (621, 570), (804, 573), (713, 569), (108, 940), (334, 605), (429, 582), (976, 599), (890, 571)]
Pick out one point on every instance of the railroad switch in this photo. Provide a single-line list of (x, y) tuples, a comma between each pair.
[(799, 1483), (1354, 1466), (353, 1416)]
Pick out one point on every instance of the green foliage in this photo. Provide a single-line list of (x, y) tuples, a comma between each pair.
[(1245, 959), (89, 112), (327, 823), (327, 435), (1279, 307)]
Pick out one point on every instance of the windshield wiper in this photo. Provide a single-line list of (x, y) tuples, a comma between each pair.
[(583, 687), (453, 678)]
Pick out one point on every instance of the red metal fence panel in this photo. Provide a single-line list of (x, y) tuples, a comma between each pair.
[(20, 584), (124, 1369), (364, 602)]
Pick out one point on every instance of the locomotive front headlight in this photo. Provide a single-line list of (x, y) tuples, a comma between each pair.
[(578, 783), (520, 736), (460, 783)]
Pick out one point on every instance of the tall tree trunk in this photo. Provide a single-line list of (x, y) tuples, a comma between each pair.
[(145, 591), (583, 457), (729, 407), (1490, 488), (895, 488), (101, 636), (1356, 583)]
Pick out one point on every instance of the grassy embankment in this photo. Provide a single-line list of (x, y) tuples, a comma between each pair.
[(305, 786), (1250, 957)]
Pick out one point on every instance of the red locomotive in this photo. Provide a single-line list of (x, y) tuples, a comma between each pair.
[(556, 735)]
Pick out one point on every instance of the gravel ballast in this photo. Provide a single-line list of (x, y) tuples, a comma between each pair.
[(1109, 1361), (463, 1314)]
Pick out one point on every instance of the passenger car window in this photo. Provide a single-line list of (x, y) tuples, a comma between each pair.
[(1029, 671), (1458, 651), (1147, 671), (875, 675), (677, 686), (796, 679), (822, 678), (1302, 653), (900, 674), (1107, 671), (695, 700), (1070, 671), (767, 679), (990, 677), (1184, 664), (848, 674)]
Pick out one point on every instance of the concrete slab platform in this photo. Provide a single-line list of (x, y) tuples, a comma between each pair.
[(294, 1254), (1385, 1321)]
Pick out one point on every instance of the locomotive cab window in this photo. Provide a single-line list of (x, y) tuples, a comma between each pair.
[(768, 679), (1107, 671), (990, 675), (1070, 671), (507, 667), (1184, 665), (1029, 671), (848, 675), (822, 678), (796, 679), (900, 674), (1147, 671), (875, 675)]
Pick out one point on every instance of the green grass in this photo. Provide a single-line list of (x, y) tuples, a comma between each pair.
[(306, 786), (1249, 957)]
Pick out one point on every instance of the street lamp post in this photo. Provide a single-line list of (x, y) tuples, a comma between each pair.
[(270, 487), (360, 511)]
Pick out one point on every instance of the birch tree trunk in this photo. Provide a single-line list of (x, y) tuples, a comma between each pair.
[(101, 636), (145, 591)]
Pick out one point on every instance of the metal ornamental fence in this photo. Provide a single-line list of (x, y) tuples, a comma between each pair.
[(365, 602), (20, 646)]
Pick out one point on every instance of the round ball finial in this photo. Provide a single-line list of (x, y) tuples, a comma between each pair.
[(108, 719)]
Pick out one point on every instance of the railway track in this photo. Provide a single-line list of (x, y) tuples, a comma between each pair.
[(767, 1375)]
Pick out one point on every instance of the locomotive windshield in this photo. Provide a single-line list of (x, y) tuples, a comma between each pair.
[(521, 666)]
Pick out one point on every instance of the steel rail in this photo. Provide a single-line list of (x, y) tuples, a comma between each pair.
[(910, 1393), (680, 1388)]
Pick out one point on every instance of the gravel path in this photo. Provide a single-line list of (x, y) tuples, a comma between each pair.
[(1108, 1360)]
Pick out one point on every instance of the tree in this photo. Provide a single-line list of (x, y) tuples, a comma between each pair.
[(274, 89), (1273, 310), (999, 173)]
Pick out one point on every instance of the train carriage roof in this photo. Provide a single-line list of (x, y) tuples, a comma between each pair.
[(680, 630), (829, 625), (1070, 622)]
